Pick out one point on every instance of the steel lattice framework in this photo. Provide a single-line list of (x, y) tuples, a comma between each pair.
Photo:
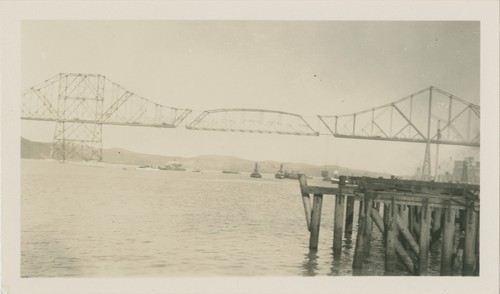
[(252, 121), (81, 103), (430, 116)]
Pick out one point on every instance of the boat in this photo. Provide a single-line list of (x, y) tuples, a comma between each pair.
[(293, 175), (175, 166), (230, 172), (91, 163), (280, 174), (256, 173), (148, 167), (325, 175), (336, 180), (178, 168)]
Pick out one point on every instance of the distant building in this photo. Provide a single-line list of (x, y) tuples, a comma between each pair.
[(466, 171)]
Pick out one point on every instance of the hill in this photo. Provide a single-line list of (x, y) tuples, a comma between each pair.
[(35, 150), (41, 150)]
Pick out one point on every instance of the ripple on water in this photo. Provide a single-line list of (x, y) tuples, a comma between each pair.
[(127, 222)]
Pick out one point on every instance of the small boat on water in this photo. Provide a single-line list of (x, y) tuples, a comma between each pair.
[(336, 180), (325, 175), (178, 168), (230, 172), (175, 166), (147, 167), (293, 175), (91, 163), (333, 179), (280, 174), (256, 173)]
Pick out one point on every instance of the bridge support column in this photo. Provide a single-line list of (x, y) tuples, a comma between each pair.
[(78, 132)]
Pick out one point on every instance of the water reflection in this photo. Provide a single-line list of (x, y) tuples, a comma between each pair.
[(310, 263), (348, 243), (335, 269), (139, 229)]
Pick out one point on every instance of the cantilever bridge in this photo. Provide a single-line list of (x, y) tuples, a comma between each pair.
[(430, 116), (80, 104)]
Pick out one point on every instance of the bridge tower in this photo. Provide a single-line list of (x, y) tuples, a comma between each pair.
[(426, 166), (80, 104), (429, 116), (78, 131)]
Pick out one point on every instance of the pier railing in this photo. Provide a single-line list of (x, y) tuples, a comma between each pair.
[(413, 217)]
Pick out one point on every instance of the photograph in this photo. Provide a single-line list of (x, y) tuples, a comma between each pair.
[(225, 149)]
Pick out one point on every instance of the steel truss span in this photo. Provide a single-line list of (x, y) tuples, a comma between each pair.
[(252, 121), (81, 103), (428, 116)]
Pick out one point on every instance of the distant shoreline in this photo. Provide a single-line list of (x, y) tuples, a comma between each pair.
[(41, 150)]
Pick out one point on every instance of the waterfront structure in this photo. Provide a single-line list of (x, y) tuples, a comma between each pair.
[(413, 216)]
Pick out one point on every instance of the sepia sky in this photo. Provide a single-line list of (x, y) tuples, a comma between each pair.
[(303, 67)]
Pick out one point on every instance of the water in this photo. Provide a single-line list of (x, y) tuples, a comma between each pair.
[(116, 220)]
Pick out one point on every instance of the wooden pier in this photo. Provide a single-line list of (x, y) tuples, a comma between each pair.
[(413, 216)]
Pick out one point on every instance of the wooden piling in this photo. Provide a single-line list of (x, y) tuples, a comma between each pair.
[(315, 221), (390, 243), (361, 205), (349, 216), (386, 213), (456, 256), (405, 257), (471, 226), (461, 219), (407, 217), (306, 200), (405, 232), (369, 221), (416, 221), (359, 250), (402, 216), (411, 219), (447, 244), (338, 224), (425, 221), (436, 227)]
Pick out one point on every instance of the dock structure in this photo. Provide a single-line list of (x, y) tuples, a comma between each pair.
[(414, 217)]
